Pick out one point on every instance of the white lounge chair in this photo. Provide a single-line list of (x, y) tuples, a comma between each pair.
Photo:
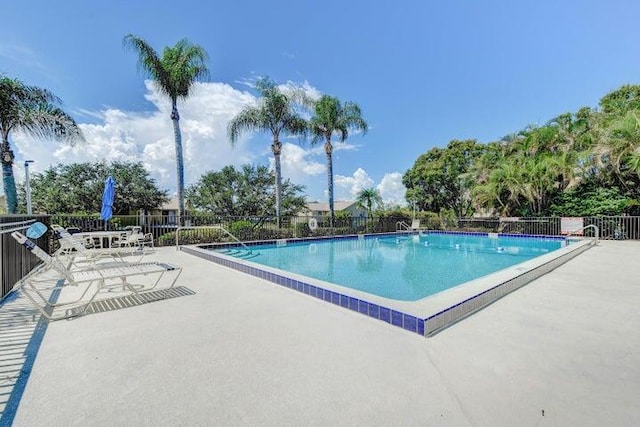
[(415, 225), (98, 279)]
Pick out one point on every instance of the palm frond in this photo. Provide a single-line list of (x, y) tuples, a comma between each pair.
[(35, 111), (296, 125), (331, 117), (249, 119), (176, 70), (50, 121), (149, 63)]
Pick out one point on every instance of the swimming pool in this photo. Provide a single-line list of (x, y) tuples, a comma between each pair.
[(406, 268), (425, 315)]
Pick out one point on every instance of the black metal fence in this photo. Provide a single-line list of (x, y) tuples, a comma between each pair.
[(163, 228), (15, 260)]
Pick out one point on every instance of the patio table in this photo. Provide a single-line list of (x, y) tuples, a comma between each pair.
[(102, 239)]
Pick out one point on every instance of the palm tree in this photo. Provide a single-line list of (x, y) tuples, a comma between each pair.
[(332, 117), (274, 113), (369, 198), (174, 73), (34, 111)]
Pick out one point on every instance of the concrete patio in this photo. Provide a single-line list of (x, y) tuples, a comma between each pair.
[(562, 351)]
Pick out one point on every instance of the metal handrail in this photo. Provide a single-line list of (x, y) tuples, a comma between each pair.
[(597, 232), (402, 225), (213, 227)]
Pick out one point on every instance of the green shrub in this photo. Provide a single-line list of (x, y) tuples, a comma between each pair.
[(190, 237), (242, 230), (448, 219), (302, 229), (342, 215), (429, 220)]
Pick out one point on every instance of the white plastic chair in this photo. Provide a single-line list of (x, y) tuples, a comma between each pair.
[(71, 247), (136, 239)]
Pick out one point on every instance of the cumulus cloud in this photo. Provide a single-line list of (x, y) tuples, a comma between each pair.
[(297, 164), (348, 187), (391, 189)]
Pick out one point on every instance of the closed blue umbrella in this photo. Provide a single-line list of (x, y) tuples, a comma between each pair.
[(107, 199)]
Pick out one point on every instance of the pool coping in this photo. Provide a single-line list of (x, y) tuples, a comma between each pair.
[(426, 316)]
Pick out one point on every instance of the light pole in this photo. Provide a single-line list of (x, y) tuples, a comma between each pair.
[(27, 186)]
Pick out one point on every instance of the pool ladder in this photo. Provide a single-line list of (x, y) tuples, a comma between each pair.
[(402, 226), (596, 237)]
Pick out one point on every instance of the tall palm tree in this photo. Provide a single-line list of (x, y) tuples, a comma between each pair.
[(331, 117), (274, 113), (174, 73), (34, 111)]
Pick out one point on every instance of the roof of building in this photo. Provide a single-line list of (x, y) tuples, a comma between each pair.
[(171, 205)]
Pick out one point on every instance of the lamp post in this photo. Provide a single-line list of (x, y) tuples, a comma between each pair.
[(27, 186)]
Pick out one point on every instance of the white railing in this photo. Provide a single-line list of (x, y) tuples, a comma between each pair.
[(402, 226), (16, 226), (596, 233), (210, 227)]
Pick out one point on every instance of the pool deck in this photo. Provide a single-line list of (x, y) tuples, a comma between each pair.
[(563, 350)]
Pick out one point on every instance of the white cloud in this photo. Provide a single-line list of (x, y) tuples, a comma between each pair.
[(392, 189), (348, 187), (296, 164)]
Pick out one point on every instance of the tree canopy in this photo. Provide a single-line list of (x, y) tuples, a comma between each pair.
[(579, 164), (440, 178), (245, 192), (78, 187)]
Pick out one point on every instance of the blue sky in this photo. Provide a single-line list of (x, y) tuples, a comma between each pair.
[(424, 73)]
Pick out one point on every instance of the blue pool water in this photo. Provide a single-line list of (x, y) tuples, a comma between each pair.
[(404, 268)]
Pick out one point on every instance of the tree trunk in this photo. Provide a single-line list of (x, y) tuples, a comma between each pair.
[(328, 149), (6, 158), (175, 117), (276, 147)]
